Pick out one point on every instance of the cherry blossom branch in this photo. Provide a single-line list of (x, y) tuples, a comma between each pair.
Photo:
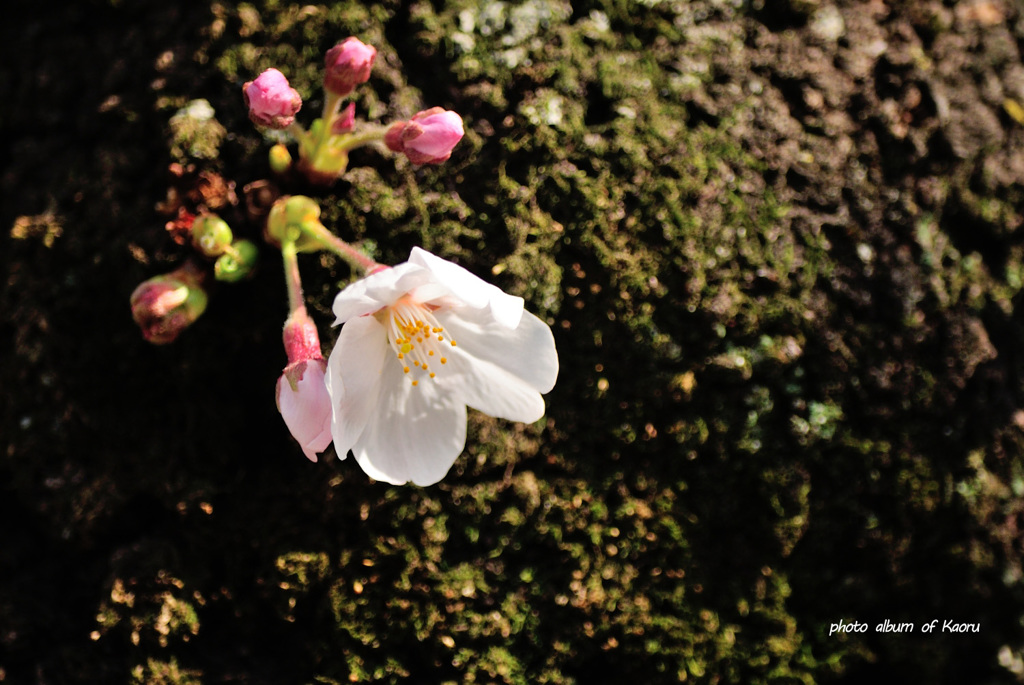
[(350, 254), (332, 103), (355, 140)]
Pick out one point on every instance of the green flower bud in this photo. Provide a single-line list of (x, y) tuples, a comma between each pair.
[(280, 159), (211, 235), (236, 263)]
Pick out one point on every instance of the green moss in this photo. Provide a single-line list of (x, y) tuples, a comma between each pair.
[(195, 133), (164, 673)]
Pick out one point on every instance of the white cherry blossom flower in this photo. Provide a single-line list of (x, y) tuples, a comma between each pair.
[(422, 341)]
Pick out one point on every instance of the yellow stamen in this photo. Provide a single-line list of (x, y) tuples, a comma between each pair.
[(414, 334)]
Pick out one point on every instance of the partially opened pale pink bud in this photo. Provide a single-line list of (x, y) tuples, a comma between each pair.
[(302, 395), (271, 100), (428, 138), (348, 64), (305, 405)]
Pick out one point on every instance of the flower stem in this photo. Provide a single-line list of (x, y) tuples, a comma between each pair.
[(299, 133), (332, 102), (364, 138), (291, 276), (328, 240), (230, 251)]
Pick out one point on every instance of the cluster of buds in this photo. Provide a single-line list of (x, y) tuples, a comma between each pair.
[(427, 138), (166, 305), (212, 237), (395, 388)]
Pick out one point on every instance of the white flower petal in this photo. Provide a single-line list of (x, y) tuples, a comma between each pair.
[(307, 409), (490, 389), (378, 290), (472, 290), (527, 353), (415, 433), (354, 375)]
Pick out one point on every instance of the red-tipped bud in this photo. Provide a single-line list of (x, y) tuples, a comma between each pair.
[(428, 138), (271, 100), (348, 64), (302, 395), (164, 306), (345, 121)]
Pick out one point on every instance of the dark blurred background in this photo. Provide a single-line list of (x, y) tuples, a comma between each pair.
[(779, 243)]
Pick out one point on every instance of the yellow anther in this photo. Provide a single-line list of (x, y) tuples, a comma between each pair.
[(415, 383), (453, 343), (411, 330)]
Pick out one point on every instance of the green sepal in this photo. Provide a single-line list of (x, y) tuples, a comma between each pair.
[(238, 264)]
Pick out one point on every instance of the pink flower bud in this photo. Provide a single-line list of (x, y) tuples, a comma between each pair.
[(164, 306), (345, 121), (302, 395), (301, 339), (428, 138), (271, 100), (348, 64)]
